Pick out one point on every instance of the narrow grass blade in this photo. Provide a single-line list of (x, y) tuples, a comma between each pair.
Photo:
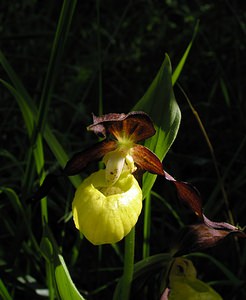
[(9, 156), (16, 81), (29, 122), (25, 110), (169, 207), (61, 35), (36, 149), (20, 211), (181, 63), (14, 199), (59, 153), (225, 92), (4, 292), (214, 159)]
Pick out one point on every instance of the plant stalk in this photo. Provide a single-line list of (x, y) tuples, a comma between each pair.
[(128, 265)]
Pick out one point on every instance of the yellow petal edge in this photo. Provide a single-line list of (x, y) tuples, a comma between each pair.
[(106, 214)]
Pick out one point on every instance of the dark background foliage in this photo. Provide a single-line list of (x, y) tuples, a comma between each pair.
[(113, 51)]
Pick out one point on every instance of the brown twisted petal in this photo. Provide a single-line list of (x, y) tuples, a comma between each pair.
[(200, 236), (147, 160), (136, 126), (80, 160), (219, 225), (188, 194), (206, 236), (206, 233)]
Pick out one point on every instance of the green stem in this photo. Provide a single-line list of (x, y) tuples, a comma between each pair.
[(50, 280), (146, 230), (128, 265)]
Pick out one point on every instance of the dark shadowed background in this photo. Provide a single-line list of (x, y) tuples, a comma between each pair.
[(113, 52)]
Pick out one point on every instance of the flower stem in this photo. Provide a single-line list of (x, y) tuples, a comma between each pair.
[(146, 233), (128, 265)]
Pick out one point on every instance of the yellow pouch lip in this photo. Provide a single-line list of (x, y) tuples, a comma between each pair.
[(106, 219)]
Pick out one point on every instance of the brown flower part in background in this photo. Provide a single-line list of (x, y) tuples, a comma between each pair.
[(205, 233)]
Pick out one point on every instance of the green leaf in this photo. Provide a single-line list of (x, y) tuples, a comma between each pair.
[(25, 110), (14, 199), (4, 292), (29, 122), (65, 288), (181, 63), (59, 42), (37, 149), (159, 102), (65, 285)]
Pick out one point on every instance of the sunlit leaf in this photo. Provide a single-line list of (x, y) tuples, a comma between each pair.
[(65, 288), (181, 63), (160, 104), (65, 285), (4, 294)]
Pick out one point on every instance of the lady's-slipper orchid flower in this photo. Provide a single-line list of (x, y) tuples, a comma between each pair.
[(107, 204)]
